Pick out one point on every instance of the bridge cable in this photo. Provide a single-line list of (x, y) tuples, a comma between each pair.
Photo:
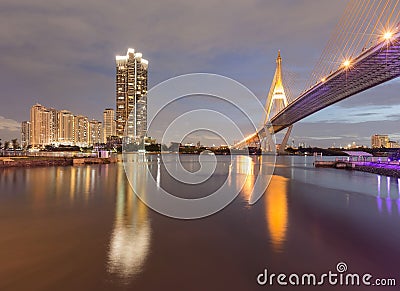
[(387, 24), (376, 24), (360, 23), (340, 56), (362, 38), (353, 47), (320, 67), (331, 62)]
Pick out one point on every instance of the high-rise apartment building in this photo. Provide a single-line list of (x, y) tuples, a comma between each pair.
[(380, 141), (25, 133), (49, 126), (131, 95), (81, 131), (66, 127), (108, 123), (40, 126), (95, 132), (53, 115)]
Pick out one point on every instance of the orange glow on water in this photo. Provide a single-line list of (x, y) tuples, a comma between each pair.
[(277, 211)]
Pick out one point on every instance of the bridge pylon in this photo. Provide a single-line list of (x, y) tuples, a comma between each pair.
[(277, 96)]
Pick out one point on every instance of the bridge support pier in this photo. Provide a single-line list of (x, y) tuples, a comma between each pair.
[(285, 141)]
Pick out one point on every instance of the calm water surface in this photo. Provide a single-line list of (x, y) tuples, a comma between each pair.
[(83, 228)]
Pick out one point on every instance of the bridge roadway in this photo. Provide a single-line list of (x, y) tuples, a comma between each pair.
[(372, 67)]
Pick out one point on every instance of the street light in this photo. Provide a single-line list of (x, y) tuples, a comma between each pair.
[(388, 35), (346, 63)]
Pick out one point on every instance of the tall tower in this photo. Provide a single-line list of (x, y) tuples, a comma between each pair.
[(131, 95), (276, 92), (277, 97)]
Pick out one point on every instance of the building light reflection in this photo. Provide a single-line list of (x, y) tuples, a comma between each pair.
[(389, 205), (130, 239), (378, 198), (398, 186), (158, 172), (72, 184)]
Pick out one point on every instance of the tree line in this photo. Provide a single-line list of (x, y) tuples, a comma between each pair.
[(6, 145)]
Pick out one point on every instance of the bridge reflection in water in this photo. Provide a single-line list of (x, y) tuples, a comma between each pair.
[(276, 211), (275, 199)]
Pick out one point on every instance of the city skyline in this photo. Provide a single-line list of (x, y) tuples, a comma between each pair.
[(83, 75), (49, 127)]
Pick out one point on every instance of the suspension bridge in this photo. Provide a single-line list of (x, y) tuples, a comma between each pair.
[(362, 52)]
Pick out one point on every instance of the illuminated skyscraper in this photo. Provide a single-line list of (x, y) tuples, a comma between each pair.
[(25, 133), (108, 123), (131, 95)]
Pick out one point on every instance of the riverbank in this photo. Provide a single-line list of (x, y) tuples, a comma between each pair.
[(380, 169), (6, 162), (384, 169)]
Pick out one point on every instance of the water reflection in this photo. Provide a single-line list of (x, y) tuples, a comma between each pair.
[(245, 166), (385, 190), (276, 212), (378, 197), (130, 239), (276, 207), (106, 246), (388, 195), (398, 187), (255, 173)]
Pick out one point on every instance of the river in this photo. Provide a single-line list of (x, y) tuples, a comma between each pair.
[(83, 228)]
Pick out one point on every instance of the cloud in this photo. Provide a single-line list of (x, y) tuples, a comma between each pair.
[(366, 114), (383, 95), (9, 124), (327, 134), (61, 53), (393, 116), (9, 128), (356, 114)]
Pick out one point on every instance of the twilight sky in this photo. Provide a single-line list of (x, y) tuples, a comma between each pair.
[(61, 54)]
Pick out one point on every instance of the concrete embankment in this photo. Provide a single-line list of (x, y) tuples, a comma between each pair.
[(6, 162), (332, 164), (375, 168), (380, 170)]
